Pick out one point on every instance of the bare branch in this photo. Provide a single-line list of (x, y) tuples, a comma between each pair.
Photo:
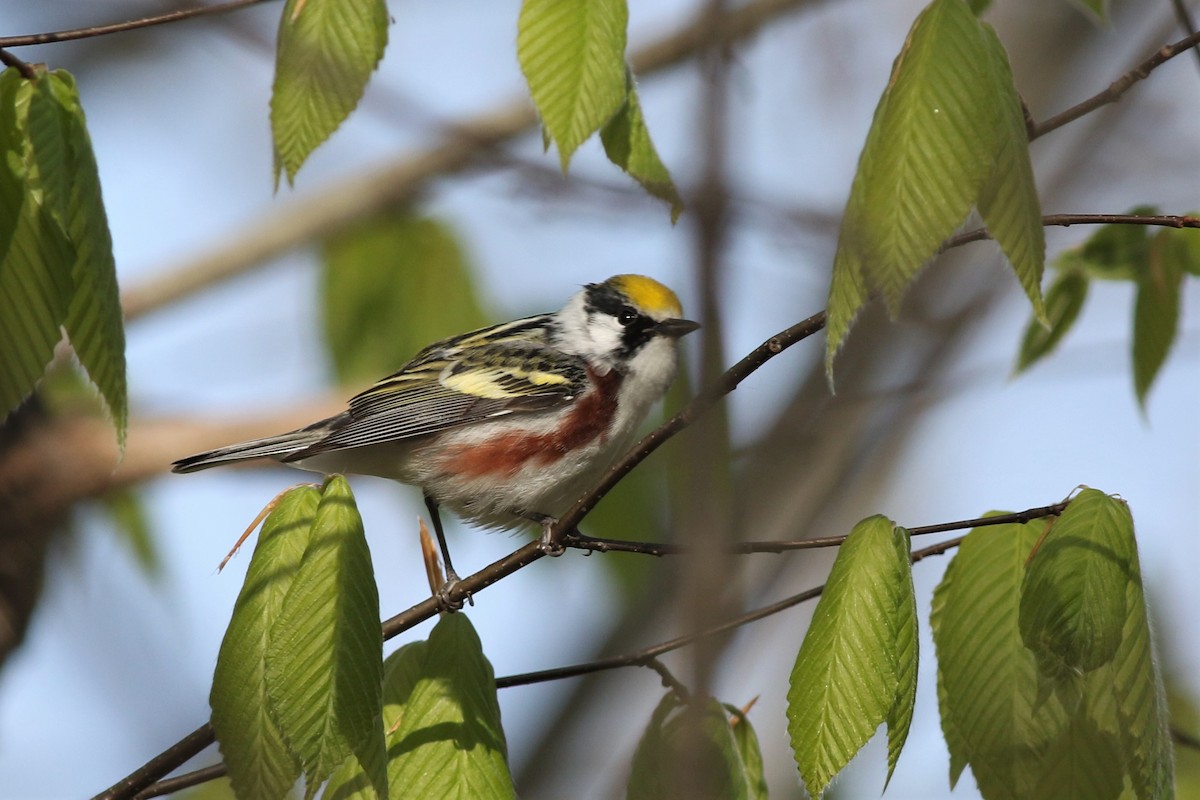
[(1067, 220), (9, 60)]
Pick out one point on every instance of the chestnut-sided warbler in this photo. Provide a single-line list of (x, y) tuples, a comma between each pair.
[(504, 424)]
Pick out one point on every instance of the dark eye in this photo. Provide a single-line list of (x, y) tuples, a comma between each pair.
[(627, 316)]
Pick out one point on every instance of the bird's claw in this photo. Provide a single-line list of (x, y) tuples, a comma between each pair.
[(445, 602)]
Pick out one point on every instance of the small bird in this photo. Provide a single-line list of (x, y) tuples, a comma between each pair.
[(506, 424)]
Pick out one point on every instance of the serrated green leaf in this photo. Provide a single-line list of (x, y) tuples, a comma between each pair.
[(1064, 301), (324, 666), (1118, 252), (851, 673), (1083, 763), (326, 53), (392, 284), (751, 754), (695, 738), (1008, 202), (1155, 315), (987, 679), (1073, 604), (948, 134), (94, 322), (899, 718), (440, 709), (572, 53), (627, 144), (35, 262), (259, 761)]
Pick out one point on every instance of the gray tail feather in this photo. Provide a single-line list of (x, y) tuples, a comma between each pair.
[(270, 447)]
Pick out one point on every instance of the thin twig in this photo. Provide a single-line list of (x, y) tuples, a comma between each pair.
[(1185, 20), (165, 762), (590, 543), (128, 25), (9, 60), (1067, 220), (184, 781), (1116, 88), (668, 680)]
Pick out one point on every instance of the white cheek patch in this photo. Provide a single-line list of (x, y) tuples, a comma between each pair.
[(605, 334)]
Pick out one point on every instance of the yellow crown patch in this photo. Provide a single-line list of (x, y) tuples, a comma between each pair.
[(648, 294)]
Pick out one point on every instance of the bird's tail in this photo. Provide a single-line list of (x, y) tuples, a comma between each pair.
[(278, 447)]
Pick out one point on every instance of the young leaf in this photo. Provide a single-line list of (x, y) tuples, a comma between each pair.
[(1064, 300), (1082, 763), (853, 669), (128, 516), (327, 51), (260, 763), (572, 53), (948, 134), (1183, 247), (393, 284), (751, 754), (324, 664), (94, 321), (1073, 603), (1118, 252), (717, 769), (987, 679), (627, 144), (443, 720), (1155, 315)]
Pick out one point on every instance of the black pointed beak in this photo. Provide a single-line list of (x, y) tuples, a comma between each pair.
[(675, 328)]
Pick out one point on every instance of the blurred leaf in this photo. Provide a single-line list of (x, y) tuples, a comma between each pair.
[(324, 663), (1183, 247), (327, 51), (392, 285), (1073, 604), (627, 144), (260, 763), (94, 321), (443, 720), (1118, 252), (1064, 300), (572, 53), (667, 747), (979, 6), (854, 670), (1097, 10), (746, 741), (948, 134), (1155, 314), (128, 516), (987, 679)]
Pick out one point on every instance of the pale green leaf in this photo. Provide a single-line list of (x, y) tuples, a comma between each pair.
[(393, 284), (35, 261), (440, 709), (751, 754), (899, 718), (987, 679), (94, 322), (572, 53), (259, 761), (1064, 301), (948, 134), (326, 53), (1073, 604), (1155, 315), (1083, 763), (849, 672), (692, 748), (1008, 202), (324, 665), (627, 144)]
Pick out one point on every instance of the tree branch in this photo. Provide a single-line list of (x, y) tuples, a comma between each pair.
[(128, 25), (1116, 88), (1067, 220), (9, 60)]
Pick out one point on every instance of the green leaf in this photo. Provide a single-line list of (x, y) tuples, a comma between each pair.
[(443, 721), (1073, 603), (1117, 252), (1097, 10), (1083, 763), (326, 54), (854, 670), (259, 761), (987, 679), (1064, 300), (948, 134), (1155, 315), (627, 144), (128, 516), (746, 741), (324, 665), (697, 738), (572, 53), (392, 284), (1183, 247)]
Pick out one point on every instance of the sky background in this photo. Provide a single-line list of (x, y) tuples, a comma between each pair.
[(117, 664)]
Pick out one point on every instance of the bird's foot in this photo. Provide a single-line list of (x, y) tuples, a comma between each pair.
[(445, 602)]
